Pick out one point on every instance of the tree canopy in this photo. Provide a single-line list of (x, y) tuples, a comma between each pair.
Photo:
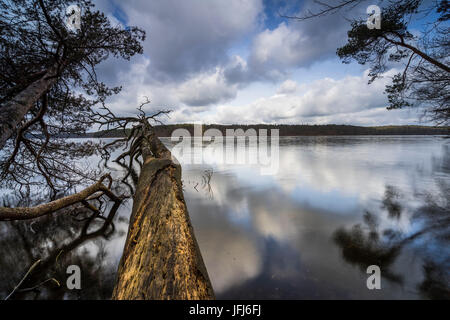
[(425, 76), (49, 87), (421, 56)]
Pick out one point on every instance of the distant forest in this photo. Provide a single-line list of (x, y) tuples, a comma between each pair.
[(289, 130)]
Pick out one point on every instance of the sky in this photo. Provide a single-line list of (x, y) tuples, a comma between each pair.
[(240, 62)]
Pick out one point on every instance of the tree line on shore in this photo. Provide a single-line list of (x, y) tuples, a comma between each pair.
[(286, 130)]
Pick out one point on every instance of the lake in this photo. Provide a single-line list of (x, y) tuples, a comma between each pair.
[(309, 230)]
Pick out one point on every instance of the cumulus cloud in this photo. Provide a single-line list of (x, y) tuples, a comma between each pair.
[(200, 58), (279, 46), (200, 91), (191, 35), (294, 44), (186, 61), (236, 71), (348, 100), (206, 89), (288, 87)]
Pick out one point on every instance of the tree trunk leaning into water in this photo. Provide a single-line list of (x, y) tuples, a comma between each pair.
[(161, 258), (14, 110)]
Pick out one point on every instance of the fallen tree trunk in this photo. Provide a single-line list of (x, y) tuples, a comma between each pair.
[(161, 258)]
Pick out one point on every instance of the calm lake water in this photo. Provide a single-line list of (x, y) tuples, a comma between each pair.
[(308, 231)]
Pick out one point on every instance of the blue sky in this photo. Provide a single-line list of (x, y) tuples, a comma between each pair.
[(238, 61)]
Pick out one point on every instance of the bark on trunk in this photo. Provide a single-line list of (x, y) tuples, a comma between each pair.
[(13, 111), (161, 258)]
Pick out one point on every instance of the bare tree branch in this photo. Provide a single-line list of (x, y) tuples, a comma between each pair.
[(25, 213)]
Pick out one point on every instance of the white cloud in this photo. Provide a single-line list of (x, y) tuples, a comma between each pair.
[(185, 37), (293, 45), (350, 100), (288, 87), (277, 46), (187, 63), (206, 89)]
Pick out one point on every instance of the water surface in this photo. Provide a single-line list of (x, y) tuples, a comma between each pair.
[(309, 231)]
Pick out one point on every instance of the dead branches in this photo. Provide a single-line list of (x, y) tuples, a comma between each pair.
[(139, 141), (324, 9)]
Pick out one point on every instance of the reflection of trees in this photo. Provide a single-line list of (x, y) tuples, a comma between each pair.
[(364, 245), (436, 281), (58, 241), (391, 202), (363, 250)]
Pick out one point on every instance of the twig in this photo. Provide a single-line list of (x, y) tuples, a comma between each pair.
[(40, 284), (23, 279)]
